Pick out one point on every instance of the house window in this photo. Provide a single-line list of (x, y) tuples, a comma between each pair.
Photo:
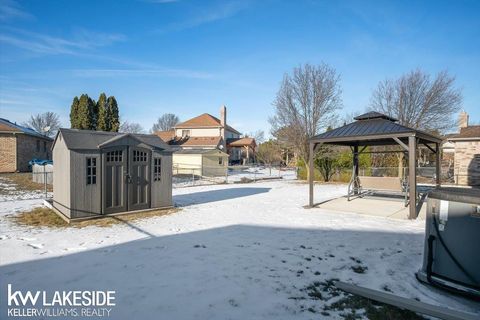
[(91, 170), (220, 161), (38, 145), (157, 169), (44, 146), (185, 133)]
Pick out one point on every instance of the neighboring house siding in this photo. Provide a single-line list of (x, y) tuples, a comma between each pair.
[(187, 164), (199, 132), (231, 135), (467, 162), (8, 152), (27, 150)]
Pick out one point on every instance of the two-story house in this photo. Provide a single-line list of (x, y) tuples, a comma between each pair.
[(206, 138)]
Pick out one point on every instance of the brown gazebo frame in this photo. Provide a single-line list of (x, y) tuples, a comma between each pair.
[(376, 129)]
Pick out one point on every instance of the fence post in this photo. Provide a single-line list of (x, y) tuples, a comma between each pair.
[(45, 181), (226, 174), (193, 177)]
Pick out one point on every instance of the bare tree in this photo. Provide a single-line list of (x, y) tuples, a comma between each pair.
[(131, 127), (269, 153), (258, 135), (305, 104), (418, 101), (166, 122), (46, 123)]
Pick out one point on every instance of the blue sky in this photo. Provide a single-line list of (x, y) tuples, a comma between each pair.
[(190, 57)]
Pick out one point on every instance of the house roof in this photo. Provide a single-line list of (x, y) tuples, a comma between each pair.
[(166, 135), (241, 142), (369, 127), (470, 132), (76, 139), (197, 141), (200, 151), (205, 120), (7, 126)]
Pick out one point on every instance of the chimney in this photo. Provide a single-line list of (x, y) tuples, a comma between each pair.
[(223, 115), (463, 119)]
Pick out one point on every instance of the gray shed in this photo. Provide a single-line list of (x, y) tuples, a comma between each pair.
[(99, 173)]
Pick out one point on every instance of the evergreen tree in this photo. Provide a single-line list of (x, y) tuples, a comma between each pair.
[(74, 114), (86, 113), (103, 118), (114, 118)]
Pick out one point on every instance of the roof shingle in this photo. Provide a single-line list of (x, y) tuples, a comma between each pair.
[(202, 121)]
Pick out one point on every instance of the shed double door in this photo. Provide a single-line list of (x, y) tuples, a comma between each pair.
[(127, 179)]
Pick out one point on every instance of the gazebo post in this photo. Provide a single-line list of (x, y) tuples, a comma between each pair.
[(438, 167), (412, 176), (311, 174), (355, 172)]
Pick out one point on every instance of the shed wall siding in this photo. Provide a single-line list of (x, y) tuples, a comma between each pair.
[(162, 190), (61, 177), (86, 199), (8, 152), (211, 166)]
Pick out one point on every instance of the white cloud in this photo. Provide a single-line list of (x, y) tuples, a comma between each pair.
[(225, 10), (163, 1), (10, 10), (81, 40), (154, 72)]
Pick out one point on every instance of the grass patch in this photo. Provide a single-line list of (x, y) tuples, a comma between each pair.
[(40, 217), (352, 306), (45, 217), (22, 181)]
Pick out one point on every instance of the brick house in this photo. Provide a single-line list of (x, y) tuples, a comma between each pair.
[(19, 145), (466, 144)]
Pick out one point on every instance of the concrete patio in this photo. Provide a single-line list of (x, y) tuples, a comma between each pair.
[(381, 206)]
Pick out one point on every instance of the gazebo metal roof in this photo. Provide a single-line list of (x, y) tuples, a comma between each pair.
[(373, 129)]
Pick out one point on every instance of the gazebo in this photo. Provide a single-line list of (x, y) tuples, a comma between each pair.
[(376, 129)]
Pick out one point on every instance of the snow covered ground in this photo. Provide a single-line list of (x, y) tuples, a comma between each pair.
[(238, 251)]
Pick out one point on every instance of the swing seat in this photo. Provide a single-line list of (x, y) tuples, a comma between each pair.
[(371, 185)]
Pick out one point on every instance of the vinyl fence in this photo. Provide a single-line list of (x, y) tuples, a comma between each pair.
[(191, 175)]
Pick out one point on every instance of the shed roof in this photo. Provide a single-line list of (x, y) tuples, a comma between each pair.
[(10, 127), (372, 128), (76, 139)]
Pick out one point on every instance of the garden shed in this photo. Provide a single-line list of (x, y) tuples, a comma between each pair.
[(99, 173)]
